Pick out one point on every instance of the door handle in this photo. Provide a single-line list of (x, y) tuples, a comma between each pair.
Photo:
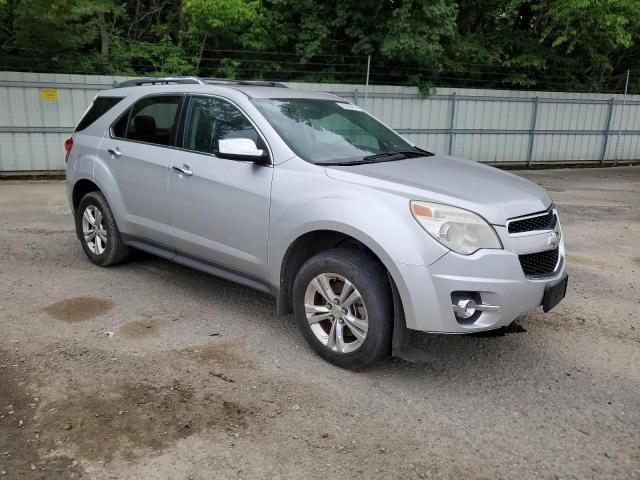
[(185, 170), (114, 151)]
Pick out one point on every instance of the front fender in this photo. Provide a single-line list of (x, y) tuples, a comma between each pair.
[(381, 220)]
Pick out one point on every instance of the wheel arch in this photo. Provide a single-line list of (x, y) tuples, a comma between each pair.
[(311, 243), (85, 185), (80, 189)]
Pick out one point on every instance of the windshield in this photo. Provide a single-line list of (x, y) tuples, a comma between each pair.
[(328, 131)]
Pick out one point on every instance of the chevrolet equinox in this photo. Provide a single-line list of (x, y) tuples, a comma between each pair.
[(357, 231)]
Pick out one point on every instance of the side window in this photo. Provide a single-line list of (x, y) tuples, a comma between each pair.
[(151, 120), (99, 107), (119, 129), (210, 120)]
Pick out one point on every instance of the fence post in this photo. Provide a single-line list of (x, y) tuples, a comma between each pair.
[(624, 103), (605, 140), (355, 96), (366, 88), (534, 119), (453, 122)]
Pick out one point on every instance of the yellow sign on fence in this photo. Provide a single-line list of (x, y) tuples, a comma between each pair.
[(49, 94)]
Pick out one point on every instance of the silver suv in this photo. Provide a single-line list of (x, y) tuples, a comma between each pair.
[(358, 232)]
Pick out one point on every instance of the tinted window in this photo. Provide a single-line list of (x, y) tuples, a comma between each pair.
[(210, 120), (99, 107), (151, 120), (119, 129)]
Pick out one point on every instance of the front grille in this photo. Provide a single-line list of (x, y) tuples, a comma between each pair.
[(546, 221), (539, 264)]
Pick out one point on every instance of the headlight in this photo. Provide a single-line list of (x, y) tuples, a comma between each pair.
[(460, 230)]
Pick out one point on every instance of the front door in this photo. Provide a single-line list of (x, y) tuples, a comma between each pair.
[(219, 207)]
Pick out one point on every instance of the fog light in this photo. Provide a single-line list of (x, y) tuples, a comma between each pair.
[(467, 306)]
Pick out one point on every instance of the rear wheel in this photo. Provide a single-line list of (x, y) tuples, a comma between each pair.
[(343, 307), (98, 232)]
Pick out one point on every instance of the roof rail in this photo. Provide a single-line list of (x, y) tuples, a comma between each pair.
[(195, 81), (158, 81), (255, 83)]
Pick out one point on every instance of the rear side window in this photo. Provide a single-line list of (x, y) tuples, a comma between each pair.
[(119, 129), (99, 107), (151, 120)]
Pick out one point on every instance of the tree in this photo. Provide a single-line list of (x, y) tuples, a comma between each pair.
[(221, 24), (542, 44), (587, 34), (557, 44)]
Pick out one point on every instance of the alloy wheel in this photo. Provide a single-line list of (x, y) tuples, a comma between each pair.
[(336, 312), (93, 230)]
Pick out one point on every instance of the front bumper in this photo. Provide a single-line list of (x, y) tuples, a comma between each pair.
[(496, 275)]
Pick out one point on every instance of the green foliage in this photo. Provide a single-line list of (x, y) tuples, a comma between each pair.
[(415, 31), (542, 44), (160, 58), (225, 22), (589, 24), (592, 32)]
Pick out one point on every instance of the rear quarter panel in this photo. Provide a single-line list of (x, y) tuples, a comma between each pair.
[(91, 166), (82, 159)]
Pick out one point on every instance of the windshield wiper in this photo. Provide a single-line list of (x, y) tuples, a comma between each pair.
[(424, 152), (389, 156), (396, 155)]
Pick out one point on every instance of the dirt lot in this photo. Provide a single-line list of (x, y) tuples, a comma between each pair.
[(152, 371)]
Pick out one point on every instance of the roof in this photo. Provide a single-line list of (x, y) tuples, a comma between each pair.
[(252, 89), (271, 92)]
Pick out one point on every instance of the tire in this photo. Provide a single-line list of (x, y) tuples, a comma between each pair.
[(369, 281), (102, 253)]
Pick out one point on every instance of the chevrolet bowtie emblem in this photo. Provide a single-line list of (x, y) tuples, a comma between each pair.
[(554, 239)]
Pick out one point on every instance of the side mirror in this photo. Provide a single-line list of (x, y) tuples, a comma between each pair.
[(241, 149)]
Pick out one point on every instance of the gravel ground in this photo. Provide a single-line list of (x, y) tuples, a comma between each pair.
[(153, 371)]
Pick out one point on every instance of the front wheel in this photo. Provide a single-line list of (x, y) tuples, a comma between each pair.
[(343, 307)]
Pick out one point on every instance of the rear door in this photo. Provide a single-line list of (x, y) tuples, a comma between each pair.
[(220, 208), (138, 151)]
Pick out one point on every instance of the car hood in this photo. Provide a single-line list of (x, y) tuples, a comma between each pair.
[(495, 194)]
